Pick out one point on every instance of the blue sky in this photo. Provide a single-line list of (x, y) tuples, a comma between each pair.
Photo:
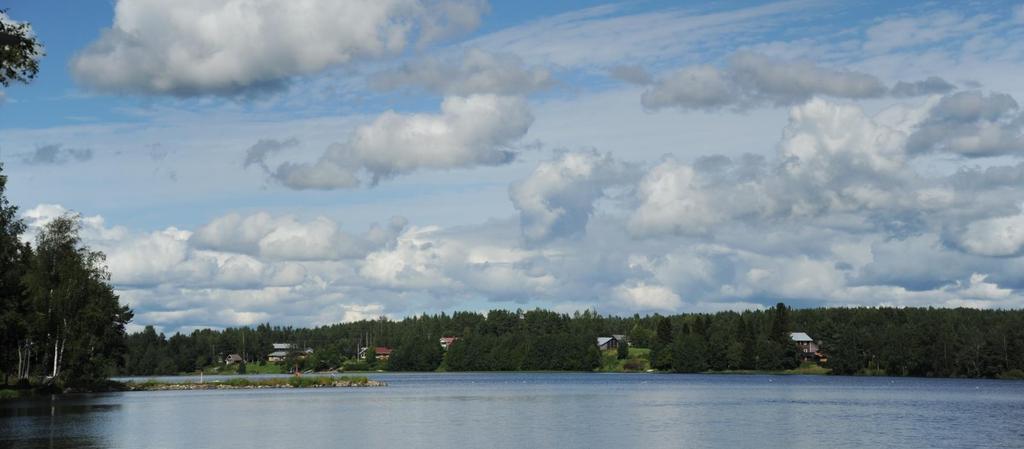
[(312, 162)]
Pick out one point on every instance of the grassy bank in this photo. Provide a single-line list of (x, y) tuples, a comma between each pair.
[(244, 383)]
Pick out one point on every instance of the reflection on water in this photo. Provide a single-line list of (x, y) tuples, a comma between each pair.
[(536, 410)]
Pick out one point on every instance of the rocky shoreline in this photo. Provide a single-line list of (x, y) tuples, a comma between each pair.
[(245, 384)]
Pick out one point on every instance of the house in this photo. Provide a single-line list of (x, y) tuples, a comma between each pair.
[(232, 359), (446, 342), (621, 338), (382, 352), (277, 356), (283, 350), (605, 343), (809, 349)]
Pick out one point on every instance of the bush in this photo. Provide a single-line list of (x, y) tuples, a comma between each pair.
[(355, 365), (634, 365)]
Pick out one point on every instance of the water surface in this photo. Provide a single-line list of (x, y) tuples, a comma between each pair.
[(539, 410)]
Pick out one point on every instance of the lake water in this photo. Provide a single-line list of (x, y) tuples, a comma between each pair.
[(540, 410)]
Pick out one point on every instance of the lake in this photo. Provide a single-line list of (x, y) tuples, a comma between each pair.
[(539, 410)]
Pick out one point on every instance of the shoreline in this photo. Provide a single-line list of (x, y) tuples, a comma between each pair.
[(247, 384)]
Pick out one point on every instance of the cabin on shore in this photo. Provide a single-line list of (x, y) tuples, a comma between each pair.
[(283, 350), (809, 349), (446, 342), (232, 359), (382, 352), (613, 342)]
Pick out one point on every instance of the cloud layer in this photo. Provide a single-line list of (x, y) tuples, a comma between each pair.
[(751, 79)]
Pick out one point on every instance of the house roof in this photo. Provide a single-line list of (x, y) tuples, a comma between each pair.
[(619, 337), (234, 357), (282, 346), (800, 336), (601, 341), (278, 354), (382, 350)]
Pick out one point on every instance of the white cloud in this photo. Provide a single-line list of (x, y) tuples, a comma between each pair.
[(978, 293), (557, 199), (672, 201), (641, 296), (469, 131), (287, 238), (999, 236), (195, 47)]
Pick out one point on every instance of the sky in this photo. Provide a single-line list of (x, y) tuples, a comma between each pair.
[(312, 162)]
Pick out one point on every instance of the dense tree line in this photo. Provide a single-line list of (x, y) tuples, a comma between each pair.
[(60, 320), (901, 342)]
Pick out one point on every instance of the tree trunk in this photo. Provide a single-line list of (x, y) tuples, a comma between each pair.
[(56, 358)]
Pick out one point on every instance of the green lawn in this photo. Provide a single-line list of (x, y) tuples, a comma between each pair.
[(638, 361)]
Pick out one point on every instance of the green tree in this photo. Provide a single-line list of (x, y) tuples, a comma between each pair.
[(15, 339), (689, 354), (19, 51), (77, 317), (661, 353)]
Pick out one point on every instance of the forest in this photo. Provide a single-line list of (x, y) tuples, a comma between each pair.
[(927, 342), (61, 323)]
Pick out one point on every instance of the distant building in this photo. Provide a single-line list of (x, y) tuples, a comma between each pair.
[(809, 349), (382, 352), (232, 359), (283, 350), (605, 343), (446, 342), (277, 356)]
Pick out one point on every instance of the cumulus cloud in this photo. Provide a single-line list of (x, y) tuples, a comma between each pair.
[(557, 199), (224, 47), (672, 202), (56, 154), (469, 131), (474, 71), (287, 238), (751, 79), (998, 236), (971, 124), (640, 296)]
